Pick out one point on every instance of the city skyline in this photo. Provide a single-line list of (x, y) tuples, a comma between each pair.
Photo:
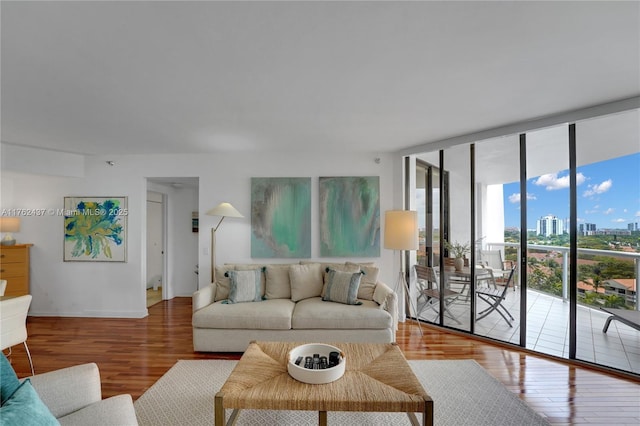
[(608, 195)]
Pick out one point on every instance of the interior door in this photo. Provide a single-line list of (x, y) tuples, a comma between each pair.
[(155, 249)]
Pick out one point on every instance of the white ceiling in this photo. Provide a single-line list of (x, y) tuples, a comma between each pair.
[(196, 77)]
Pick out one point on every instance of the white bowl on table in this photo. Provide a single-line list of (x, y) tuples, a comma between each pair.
[(315, 377)]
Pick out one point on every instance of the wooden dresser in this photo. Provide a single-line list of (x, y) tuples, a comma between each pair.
[(14, 267)]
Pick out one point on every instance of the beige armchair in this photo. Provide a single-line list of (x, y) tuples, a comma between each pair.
[(74, 397), (13, 323)]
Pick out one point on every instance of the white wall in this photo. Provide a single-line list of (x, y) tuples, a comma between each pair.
[(118, 289)]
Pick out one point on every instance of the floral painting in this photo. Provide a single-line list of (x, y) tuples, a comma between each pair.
[(95, 229), (281, 217), (350, 216)]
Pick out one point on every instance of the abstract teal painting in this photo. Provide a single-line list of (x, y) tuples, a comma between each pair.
[(95, 229), (349, 216), (281, 217)]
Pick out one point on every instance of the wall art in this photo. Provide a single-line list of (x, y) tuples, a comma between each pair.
[(280, 217), (349, 216), (95, 229)]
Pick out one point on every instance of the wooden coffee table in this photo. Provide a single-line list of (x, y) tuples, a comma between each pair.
[(377, 378)]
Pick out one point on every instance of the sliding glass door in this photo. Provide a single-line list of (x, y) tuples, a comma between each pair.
[(547, 224), (497, 235), (552, 220), (608, 239)]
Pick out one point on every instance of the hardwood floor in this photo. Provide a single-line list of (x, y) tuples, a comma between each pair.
[(133, 353)]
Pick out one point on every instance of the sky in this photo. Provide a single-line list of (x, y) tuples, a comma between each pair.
[(608, 195)]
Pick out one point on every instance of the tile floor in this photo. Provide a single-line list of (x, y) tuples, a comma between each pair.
[(548, 330)]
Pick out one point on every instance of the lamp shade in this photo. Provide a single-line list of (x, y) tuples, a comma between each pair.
[(9, 224), (401, 230), (225, 210)]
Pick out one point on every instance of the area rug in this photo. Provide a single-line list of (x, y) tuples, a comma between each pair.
[(462, 391)]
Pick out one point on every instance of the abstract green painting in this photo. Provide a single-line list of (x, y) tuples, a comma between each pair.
[(281, 217), (349, 216), (95, 229)]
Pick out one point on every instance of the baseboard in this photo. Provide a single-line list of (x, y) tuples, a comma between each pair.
[(92, 314)]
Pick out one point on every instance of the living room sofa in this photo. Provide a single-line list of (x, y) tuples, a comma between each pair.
[(307, 301)]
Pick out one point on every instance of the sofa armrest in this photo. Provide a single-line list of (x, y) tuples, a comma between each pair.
[(203, 297), (68, 389), (388, 300)]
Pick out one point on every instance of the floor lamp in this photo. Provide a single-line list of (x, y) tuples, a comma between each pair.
[(401, 233), (223, 210)]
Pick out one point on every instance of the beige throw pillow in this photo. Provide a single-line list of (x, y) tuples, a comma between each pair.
[(223, 283), (278, 283), (368, 281), (306, 281)]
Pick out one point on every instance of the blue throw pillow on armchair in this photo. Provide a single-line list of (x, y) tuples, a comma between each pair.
[(25, 408), (20, 404), (8, 380)]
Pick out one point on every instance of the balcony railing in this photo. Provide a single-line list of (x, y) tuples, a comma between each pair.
[(565, 261)]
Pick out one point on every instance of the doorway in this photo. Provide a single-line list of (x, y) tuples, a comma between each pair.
[(155, 247)]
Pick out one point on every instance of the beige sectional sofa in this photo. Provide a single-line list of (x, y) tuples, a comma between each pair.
[(307, 301)]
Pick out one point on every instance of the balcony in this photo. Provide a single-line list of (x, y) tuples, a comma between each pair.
[(548, 322)]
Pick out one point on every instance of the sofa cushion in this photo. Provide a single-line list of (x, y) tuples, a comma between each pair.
[(24, 407), (245, 286), (252, 267), (342, 287), (314, 313), (117, 410), (278, 285), (306, 281), (272, 314), (368, 281), (223, 282)]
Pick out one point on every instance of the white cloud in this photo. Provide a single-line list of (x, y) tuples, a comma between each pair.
[(598, 188), (608, 211), (618, 220), (552, 182), (515, 197), (638, 213)]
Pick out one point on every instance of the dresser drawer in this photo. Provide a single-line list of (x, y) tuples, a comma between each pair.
[(17, 287), (14, 267), (9, 270), (9, 255)]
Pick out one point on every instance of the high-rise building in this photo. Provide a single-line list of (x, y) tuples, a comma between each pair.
[(587, 229), (633, 227), (549, 225)]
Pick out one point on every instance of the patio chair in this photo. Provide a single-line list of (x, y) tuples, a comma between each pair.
[(492, 259), (494, 297), (428, 283)]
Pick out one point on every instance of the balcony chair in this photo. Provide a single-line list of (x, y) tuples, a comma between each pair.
[(13, 324), (428, 289), (492, 259), (494, 296)]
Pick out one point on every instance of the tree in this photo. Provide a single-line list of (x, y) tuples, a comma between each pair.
[(614, 301)]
